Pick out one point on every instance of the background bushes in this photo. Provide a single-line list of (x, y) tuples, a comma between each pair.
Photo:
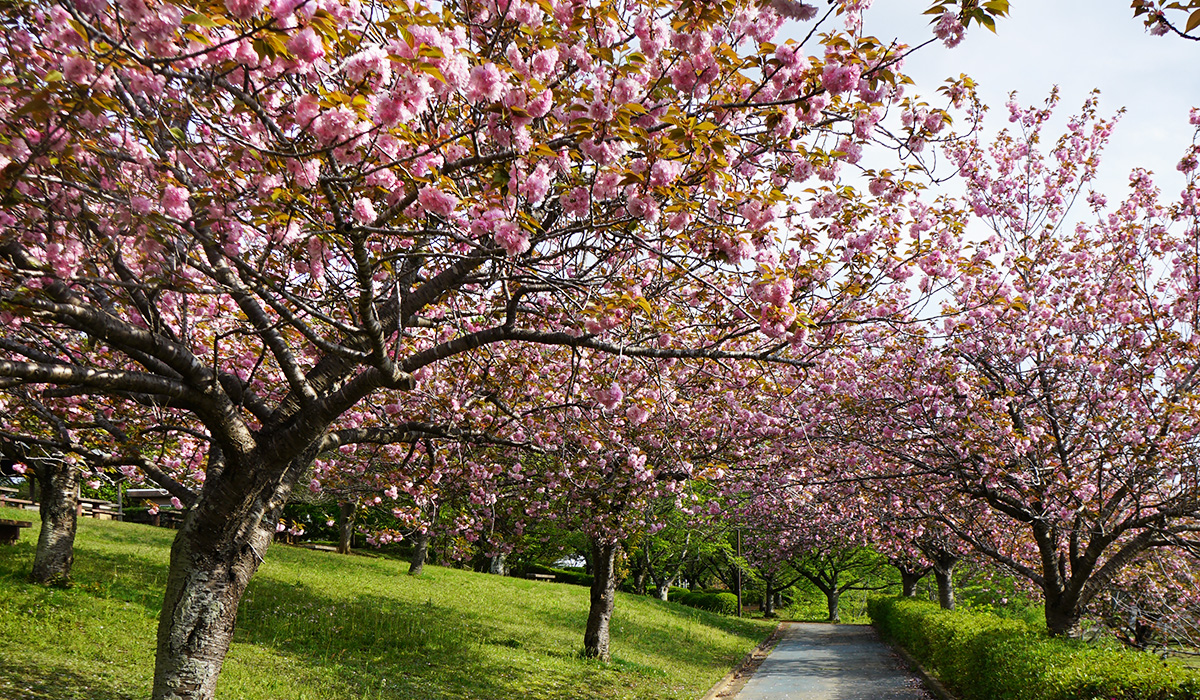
[(573, 575), (984, 657), (722, 602)]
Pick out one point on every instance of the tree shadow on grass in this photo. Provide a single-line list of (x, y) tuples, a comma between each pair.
[(668, 642), (26, 680), (375, 646)]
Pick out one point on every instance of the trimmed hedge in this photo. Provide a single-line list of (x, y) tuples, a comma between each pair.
[(984, 657), (722, 602)]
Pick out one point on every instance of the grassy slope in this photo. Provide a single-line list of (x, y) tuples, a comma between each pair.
[(317, 626)]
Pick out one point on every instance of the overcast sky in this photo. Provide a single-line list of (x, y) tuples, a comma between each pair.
[(1078, 45)]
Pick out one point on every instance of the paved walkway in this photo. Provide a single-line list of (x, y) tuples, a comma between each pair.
[(832, 662)]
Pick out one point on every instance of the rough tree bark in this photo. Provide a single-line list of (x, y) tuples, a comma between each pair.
[(768, 604), (1062, 616), (604, 588), (909, 578), (639, 580), (943, 571), (218, 548), (59, 510), (420, 550), (346, 518), (664, 589), (499, 565), (832, 603)]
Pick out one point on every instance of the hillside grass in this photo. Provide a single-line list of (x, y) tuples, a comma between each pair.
[(317, 626)]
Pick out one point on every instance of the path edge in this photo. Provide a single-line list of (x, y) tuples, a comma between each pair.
[(748, 663), (933, 685)]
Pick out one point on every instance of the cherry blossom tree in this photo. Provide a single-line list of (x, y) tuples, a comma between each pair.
[(62, 442), (276, 224), (1059, 391)]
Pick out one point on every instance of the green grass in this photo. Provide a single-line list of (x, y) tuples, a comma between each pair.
[(317, 626)]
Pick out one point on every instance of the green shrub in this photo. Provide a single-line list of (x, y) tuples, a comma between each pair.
[(985, 657), (573, 576), (722, 602), (725, 603)]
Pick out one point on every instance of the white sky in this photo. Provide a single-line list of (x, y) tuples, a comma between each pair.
[(1078, 45)]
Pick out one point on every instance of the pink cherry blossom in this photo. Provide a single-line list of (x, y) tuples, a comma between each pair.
[(435, 201), (486, 83), (78, 69), (307, 46), (512, 238), (838, 78), (245, 9), (364, 211), (175, 202)]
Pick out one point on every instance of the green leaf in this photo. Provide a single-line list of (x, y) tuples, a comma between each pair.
[(176, 132), (53, 76), (199, 19)]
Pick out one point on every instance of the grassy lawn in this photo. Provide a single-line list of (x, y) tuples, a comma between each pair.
[(317, 625)]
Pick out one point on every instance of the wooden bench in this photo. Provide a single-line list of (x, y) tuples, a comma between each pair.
[(10, 530), (541, 577), (18, 503)]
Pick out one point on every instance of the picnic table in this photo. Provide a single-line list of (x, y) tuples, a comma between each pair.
[(98, 508), (10, 530)]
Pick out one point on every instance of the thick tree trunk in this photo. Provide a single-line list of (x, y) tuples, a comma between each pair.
[(499, 565), (207, 578), (909, 580), (943, 571), (1062, 616), (832, 602), (420, 551), (346, 513), (218, 548), (604, 588), (59, 510), (664, 590)]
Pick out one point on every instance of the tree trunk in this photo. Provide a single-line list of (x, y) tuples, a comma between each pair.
[(832, 599), (59, 511), (499, 565), (768, 606), (417, 564), (909, 580), (943, 571), (1062, 618), (664, 589), (218, 548), (346, 513), (604, 587), (639, 581)]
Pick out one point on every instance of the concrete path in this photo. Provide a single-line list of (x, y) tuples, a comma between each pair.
[(832, 662)]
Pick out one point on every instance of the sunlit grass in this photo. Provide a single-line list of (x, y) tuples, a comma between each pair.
[(316, 626)]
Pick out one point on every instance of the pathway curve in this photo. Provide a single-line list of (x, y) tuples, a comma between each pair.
[(832, 662)]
